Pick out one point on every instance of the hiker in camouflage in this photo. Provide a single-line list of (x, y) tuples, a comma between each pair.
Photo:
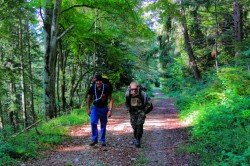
[(136, 110)]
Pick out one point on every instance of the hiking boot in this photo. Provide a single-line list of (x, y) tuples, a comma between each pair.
[(137, 143), (103, 144), (92, 143)]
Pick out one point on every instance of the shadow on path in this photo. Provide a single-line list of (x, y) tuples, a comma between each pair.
[(163, 133)]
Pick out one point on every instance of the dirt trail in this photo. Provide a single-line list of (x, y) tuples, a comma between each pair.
[(163, 132)]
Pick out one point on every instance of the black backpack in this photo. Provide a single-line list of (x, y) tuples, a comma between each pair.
[(142, 98), (108, 83)]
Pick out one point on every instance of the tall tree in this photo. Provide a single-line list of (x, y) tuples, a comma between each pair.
[(23, 82), (237, 17), (13, 109), (1, 116), (62, 59), (189, 49), (175, 9), (51, 20), (31, 89)]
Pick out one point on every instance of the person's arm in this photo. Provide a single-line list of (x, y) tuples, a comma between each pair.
[(88, 104), (110, 105)]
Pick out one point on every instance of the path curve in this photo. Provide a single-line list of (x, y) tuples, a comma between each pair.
[(163, 132)]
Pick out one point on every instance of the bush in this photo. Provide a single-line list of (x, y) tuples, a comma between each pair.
[(220, 112), (45, 136)]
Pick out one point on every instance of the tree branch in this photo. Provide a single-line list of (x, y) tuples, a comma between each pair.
[(41, 15), (77, 6), (92, 7), (24, 130), (66, 31)]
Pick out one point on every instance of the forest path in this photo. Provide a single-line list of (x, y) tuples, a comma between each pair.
[(163, 132)]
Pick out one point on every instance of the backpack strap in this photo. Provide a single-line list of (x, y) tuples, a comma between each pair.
[(128, 97)]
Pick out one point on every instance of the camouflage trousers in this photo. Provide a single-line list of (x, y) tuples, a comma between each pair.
[(137, 119)]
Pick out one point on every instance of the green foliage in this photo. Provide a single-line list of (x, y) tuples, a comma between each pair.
[(176, 77), (244, 57), (6, 151), (220, 113), (43, 137), (119, 97)]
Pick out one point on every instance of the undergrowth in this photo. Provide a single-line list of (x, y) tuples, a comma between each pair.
[(42, 137), (219, 110)]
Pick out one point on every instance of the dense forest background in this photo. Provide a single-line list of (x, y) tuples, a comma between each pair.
[(195, 50)]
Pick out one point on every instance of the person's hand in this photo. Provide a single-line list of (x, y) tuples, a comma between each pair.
[(89, 112), (109, 113)]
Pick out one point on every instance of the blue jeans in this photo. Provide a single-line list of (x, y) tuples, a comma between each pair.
[(96, 114)]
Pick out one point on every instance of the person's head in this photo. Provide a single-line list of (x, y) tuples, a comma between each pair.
[(98, 80), (133, 87)]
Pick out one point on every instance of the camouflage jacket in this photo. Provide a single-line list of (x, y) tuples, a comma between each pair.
[(137, 101)]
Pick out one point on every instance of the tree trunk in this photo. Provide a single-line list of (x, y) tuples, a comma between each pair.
[(79, 90), (23, 86), (51, 28), (13, 113), (189, 49), (237, 17), (217, 35), (72, 84), (62, 63), (75, 83), (1, 117), (58, 84), (32, 108)]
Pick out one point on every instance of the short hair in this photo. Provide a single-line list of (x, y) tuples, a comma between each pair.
[(98, 77)]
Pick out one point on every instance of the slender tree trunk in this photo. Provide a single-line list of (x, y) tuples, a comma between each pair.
[(11, 119), (32, 108), (51, 28), (75, 84), (72, 85), (58, 85), (76, 79), (62, 63), (1, 117), (237, 17), (13, 113), (79, 90), (23, 86), (217, 35), (189, 48)]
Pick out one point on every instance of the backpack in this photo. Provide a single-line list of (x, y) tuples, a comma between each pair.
[(145, 99), (106, 81)]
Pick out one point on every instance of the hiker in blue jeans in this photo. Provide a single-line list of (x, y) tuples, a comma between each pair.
[(99, 93)]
